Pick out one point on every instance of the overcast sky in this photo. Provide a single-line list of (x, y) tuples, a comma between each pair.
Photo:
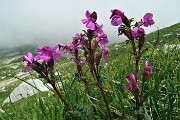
[(55, 21)]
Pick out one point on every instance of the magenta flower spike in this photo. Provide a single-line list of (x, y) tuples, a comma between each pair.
[(148, 19), (90, 20), (116, 17)]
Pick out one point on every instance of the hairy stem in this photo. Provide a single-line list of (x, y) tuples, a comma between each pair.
[(52, 82), (61, 97), (94, 71), (102, 93), (105, 100), (137, 69), (137, 56)]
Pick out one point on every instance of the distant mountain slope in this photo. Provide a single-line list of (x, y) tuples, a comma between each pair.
[(16, 51), (169, 35)]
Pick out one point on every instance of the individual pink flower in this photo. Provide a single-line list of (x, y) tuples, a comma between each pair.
[(147, 71), (116, 17), (98, 29), (79, 61), (148, 67), (77, 40), (29, 59), (103, 40), (90, 20), (129, 86), (148, 19), (62, 47), (69, 47), (137, 32), (132, 84), (132, 79), (74, 48), (78, 37), (105, 52)]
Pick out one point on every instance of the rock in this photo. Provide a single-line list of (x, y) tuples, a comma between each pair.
[(24, 90)]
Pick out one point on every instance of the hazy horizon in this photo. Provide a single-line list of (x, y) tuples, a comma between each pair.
[(56, 21)]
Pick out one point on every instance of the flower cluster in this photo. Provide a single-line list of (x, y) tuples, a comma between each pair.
[(148, 20), (90, 20), (97, 32), (49, 55), (68, 47), (118, 18), (91, 24), (135, 33), (46, 53)]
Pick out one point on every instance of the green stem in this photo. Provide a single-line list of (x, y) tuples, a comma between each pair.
[(61, 97), (102, 93)]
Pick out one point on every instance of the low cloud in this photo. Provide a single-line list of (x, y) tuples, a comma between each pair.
[(51, 22)]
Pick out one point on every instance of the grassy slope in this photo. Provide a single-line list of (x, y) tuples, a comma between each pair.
[(170, 35)]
